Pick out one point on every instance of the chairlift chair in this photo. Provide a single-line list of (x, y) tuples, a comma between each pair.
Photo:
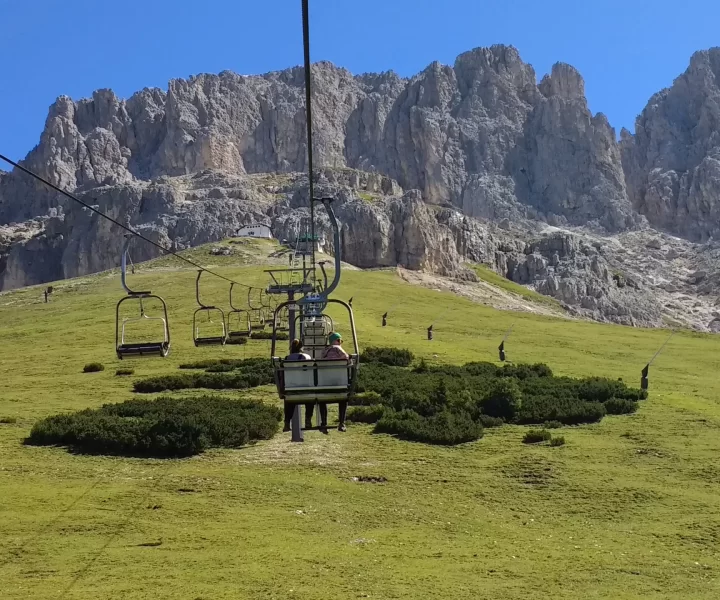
[(241, 329), (256, 314), (318, 380), (314, 331), (207, 340), (125, 348)]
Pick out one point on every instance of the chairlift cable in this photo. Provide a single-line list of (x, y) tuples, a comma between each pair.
[(661, 348)]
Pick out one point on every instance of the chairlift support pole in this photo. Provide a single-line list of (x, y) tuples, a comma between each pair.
[(644, 383), (501, 347), (296, 422)]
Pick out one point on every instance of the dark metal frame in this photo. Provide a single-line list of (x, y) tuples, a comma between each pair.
[(207, 340), (144, 348), (329, 397), (234, 310)]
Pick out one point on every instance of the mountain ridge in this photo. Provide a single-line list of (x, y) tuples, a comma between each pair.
[(481, 138)]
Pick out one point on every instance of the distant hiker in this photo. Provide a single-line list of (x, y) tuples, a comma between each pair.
[(335, 351)]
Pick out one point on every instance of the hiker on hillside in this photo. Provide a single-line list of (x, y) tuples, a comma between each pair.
[(335, 351)]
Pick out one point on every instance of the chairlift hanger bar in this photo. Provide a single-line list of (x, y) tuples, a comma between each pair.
[(308, 114), (125, 227)]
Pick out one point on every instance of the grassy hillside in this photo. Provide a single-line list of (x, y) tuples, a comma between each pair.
[(628, 508)]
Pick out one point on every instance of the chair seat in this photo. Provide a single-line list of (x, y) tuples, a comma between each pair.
[(209, 341), (143, 349)]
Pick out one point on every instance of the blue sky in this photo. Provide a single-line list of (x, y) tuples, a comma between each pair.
[(625, 49)]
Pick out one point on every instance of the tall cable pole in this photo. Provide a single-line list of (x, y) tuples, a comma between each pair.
[(308, 115)]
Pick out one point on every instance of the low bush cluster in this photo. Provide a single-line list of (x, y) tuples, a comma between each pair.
[(619, 406), (267, 335), (393, 357), (124, 372), (479, 393), (365, 414), (536, 436), (93, 367), (165, 427), (226, 374), (446, 427)]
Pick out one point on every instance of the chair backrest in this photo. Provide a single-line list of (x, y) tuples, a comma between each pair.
[(299, 373), (333, 373)]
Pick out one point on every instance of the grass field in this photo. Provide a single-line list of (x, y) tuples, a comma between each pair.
[(628, 508)]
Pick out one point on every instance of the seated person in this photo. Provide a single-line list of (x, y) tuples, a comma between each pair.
[(296, 353), (335, 351)]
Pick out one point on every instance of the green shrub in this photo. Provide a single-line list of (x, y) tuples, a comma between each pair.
[(552, 424), (366, 399), (394, 357), (8, 420), (219, 369), (490, 395), (236, 340), (165, 427), (267, 335), (617, 406), (421, 367), (487, 421), (365, 414), (568, 411), (93, 368), (599, 389), (241, 364), (503, 400), (243, 374), (444, 428), (525, 371), (535, 436), (122, 372), (557, 441)]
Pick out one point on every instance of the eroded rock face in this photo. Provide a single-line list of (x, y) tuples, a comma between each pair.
[(459, 163), (174, 212), (672, 163), (480, 135)]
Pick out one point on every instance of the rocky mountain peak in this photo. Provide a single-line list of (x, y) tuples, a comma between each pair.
[(563, 82), (420, 165)]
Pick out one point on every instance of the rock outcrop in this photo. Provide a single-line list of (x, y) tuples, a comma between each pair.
[(474, 162), (480, 135), (672, 163)]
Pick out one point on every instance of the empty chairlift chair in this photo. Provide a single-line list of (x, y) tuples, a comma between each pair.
[(314, 331), (219, 335), (238, 322), (131, 349), (257, 314)]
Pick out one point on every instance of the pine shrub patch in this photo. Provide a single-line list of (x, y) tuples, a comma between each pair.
[(163, 428)]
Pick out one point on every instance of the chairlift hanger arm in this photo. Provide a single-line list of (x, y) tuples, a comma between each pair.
[(123, 269), (336, 240), (325, 277), (197, 290)]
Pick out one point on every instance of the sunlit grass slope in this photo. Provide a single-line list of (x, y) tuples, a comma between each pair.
[(628, 508)]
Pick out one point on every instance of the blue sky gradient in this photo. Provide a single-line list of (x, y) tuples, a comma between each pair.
[(626, 49)]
